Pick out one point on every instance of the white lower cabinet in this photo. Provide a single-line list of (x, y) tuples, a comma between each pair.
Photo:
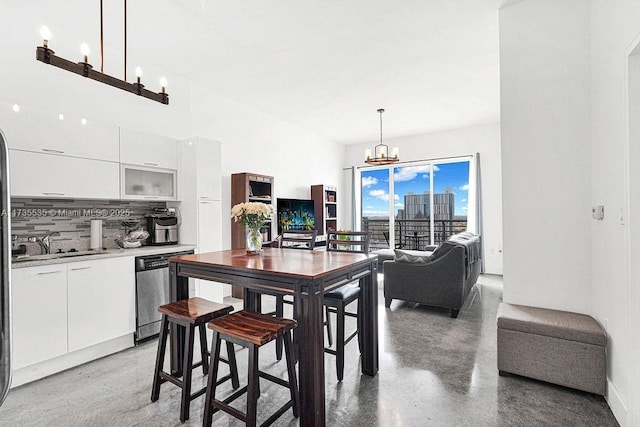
[(39, 305), (101, 301), (61, 308)]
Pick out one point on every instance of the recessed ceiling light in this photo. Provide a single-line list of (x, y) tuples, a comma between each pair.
[(61, 116), (16, 107), (83, 121)]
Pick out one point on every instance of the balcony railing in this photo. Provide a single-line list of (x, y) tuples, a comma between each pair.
[(411, 233)]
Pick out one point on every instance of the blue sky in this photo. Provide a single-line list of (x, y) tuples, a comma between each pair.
[(375, 186)]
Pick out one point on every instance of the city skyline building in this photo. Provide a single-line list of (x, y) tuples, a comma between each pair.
[(417, 206)]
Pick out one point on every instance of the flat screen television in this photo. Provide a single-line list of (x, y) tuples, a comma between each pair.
[(295, 214)]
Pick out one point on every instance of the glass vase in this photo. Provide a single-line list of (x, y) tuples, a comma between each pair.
[(254, 241)]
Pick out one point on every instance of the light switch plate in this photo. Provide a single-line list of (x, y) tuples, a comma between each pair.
[(597, 212)]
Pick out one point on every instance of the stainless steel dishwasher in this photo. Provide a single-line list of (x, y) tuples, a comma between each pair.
[(152, 291)]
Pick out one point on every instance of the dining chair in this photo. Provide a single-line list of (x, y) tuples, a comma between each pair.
[(292, 239), (337, 300)]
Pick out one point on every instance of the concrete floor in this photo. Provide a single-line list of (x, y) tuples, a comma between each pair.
[(434, 371)]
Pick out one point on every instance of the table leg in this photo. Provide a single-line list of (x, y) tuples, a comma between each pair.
[(252, 300), (368, 317), (308, 313), (178, 289)]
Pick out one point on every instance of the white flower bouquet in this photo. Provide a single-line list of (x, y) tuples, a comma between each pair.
[(253, 214)]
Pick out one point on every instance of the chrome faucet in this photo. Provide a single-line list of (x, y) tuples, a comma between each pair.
[(44, 242)]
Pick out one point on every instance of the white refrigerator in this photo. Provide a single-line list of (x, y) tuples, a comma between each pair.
[(5, 280)]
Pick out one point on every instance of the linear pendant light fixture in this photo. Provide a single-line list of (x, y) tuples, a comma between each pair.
[(46, 55), (381, 151)]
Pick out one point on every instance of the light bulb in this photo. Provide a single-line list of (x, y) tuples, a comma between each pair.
[(367, 154), (61, 116), (395, 152), (45, 33), (138, 75), (163, 84), (84, 48), (16, 108), (83, 121), (383, 151)]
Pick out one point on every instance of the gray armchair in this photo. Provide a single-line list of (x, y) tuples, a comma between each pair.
[(444, 280)]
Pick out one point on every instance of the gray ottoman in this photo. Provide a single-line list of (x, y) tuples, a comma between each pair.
[(554, 346)]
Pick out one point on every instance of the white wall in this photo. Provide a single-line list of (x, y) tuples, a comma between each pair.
[(564, 94), (544, 66), (459, 142), (255, 142), (614, 26)]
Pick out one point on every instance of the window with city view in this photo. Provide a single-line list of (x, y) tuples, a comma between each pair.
[(403, 199)]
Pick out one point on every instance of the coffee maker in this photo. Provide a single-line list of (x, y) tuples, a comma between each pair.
[(162, 227)]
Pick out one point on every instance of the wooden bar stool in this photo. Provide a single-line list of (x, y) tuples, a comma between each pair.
[(190, 313), (250, 330)]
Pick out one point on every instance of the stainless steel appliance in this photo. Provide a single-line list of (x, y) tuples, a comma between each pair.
[(5, 278), (163, 229), (152, 291)]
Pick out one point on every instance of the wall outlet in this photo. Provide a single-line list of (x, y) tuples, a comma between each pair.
[(597, 212)]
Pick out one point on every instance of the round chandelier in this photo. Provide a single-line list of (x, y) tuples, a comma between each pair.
[(381, 156)]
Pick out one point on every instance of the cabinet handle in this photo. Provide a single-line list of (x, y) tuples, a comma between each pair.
[(51, 150), (52, 194), (49, 272), (81, 268), (150, 197), (150, 164)]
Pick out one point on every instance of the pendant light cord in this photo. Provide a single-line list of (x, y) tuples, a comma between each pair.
[(125, 40), (101, 41)]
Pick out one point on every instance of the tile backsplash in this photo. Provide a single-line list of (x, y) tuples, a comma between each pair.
[(72, 220)]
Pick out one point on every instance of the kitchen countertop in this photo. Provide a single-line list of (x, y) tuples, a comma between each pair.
[(109, 253)]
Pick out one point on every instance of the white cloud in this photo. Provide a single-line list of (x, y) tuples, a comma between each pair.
[(399, 205), (463, 200), (464, 209), (409, 173), (464, 187), (382, 195), (369, 181)]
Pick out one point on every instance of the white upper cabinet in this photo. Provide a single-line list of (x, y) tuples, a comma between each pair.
[(208, 165), (139, 148), (201, 165), (44, 175), (46, 133), (147, 183)]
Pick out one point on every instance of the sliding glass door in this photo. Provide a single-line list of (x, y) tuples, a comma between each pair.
[(450, 199), (375, 206), (412, 191), (430, 203)]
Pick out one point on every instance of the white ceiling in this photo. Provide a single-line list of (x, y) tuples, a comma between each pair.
[(323, 65)]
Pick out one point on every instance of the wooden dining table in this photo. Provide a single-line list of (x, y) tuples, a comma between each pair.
[(305, 275)]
